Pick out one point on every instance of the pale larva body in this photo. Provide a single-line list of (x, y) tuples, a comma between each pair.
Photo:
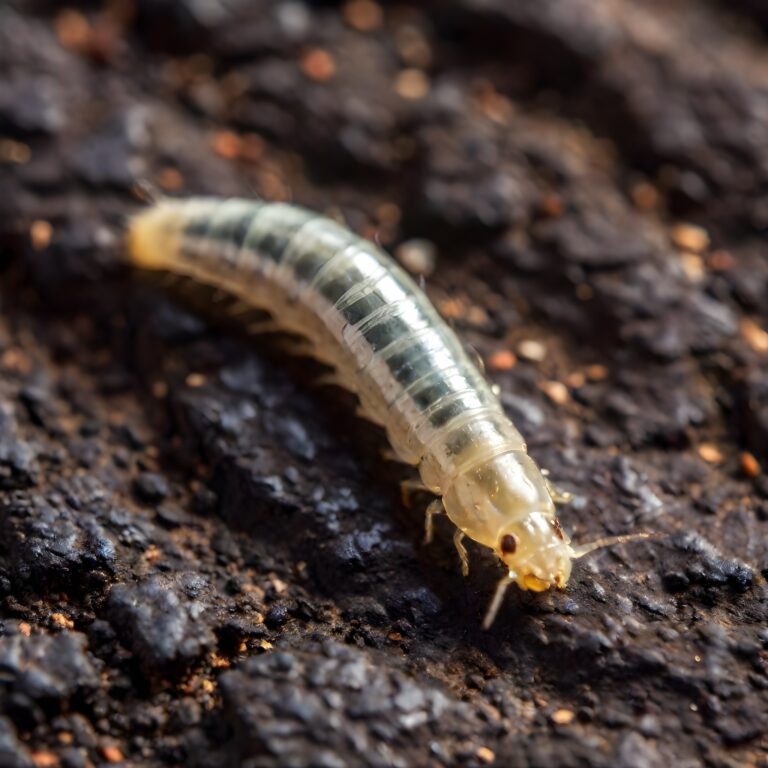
[(363, 315)]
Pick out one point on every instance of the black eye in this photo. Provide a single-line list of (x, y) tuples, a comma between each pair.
[(508, 544)]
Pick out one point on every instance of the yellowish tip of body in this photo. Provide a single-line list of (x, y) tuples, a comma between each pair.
[(154, 236)]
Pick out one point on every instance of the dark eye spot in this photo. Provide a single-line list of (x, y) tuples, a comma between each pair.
[(508, 544), (558, 528)]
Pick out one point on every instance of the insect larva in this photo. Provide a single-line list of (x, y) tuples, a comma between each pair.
[(364, 316)]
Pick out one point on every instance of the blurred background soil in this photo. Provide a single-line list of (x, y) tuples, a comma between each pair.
[(204, 559)]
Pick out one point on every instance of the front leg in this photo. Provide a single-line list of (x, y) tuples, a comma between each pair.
[(435, 508), (558, 495), (458, 542), (410, 487)]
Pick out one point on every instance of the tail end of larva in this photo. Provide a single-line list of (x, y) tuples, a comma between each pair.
[(153, 236)]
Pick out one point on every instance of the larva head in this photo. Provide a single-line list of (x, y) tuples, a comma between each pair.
[(535, 562), (505, 504), (536, 552)]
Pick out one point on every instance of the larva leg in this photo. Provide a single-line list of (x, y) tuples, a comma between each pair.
[(264, 326), (297, 347), (364, 413), (170, 280), (558, 495), (435, 508), (239, 308), (334, 379), (299, 344), (476, 356), (387, 454), (390, 454), (408, 488), (458, 542)]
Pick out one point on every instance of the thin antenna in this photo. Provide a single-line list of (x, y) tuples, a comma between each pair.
[(609, 541)]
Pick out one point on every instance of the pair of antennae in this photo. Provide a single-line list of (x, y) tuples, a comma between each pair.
[(576, 553)]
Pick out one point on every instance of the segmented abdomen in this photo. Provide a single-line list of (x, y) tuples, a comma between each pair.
[(362, 314)]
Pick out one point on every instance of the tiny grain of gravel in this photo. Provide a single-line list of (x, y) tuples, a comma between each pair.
[(204, 559)]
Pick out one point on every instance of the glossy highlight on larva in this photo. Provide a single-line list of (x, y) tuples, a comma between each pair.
[(361, 314)]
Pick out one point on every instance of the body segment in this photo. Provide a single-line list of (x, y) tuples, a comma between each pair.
[(363, 315)]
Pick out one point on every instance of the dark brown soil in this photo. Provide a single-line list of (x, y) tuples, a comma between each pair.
[(204, 560)]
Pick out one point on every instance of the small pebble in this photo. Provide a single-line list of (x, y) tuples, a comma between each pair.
[(552, 206), (13, 360), (710, 453), (112, 754), (749, 465), (485, 755), (532, 350), (363, 15), (563, 717), (170, 179), (412, 84), (721, 261), (72, 29), (219, 662), (40, 234), (693, 266), (389, 214), (150, 487), (597, 372), (413, 46), (225, 144), (60, 620), (159, 389), (252, 147), (44, 759), (503, 360), (497, 107), (14, 152), (318, 65), (754, 335), (417, 256), (494, 105), (645, 196), (249, 147), (276, 616), (689, 237), (556, 391), (453, 308)]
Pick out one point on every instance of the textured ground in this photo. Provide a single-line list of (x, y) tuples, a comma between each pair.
[(204, 560)]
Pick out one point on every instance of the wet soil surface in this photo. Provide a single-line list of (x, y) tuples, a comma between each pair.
[(204, 558)]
